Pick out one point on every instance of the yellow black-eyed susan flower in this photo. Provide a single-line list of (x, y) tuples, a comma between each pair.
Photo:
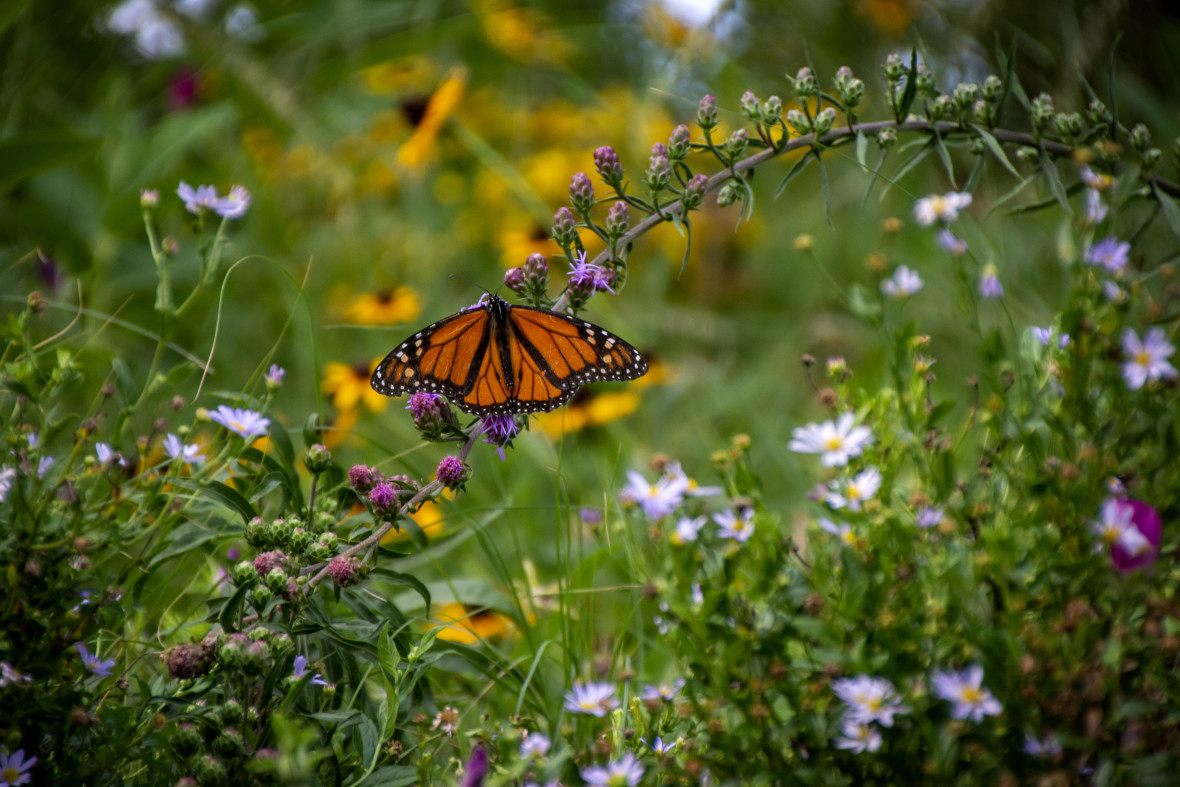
[(415, 151), (385, 307), (468, 624), (348, 385)]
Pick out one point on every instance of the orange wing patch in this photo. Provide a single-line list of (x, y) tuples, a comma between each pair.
[(490, 388), (560, 343)]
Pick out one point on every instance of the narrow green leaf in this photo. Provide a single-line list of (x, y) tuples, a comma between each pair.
[(125, 386), (994, 146), (922, 153), (976, 174), (1012, 193), (1168, 205), (800, 165), (823, 181), (1053, 180), (229, 613), (945, 157), (862, 149), (1113, 102), (876, 176), (410, 581), (230, 498), (911, 86)]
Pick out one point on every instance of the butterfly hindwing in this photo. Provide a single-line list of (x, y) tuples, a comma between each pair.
[(500, 359)]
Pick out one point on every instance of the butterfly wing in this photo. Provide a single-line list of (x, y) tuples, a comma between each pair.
[(441, 358)]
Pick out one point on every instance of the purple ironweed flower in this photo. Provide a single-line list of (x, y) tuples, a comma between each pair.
[(246, 423), (451, 471), (383, 498), (1110, 253), (92, 662), (588, 277), (345, 571), (301, 670), (362, 478), (499, 431)]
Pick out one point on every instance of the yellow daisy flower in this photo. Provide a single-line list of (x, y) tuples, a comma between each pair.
[(385, 307), (414, 152), (349, 386), (468, 625)]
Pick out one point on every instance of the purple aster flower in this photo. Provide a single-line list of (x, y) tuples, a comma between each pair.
[(274, 377), (905, 282), (1042, 747), (989, 283), (198, 200), (665, 692), (499, 431), (595, 699), (858, 737), (657, 500), (952, 244), (965, 691), (301, 670), (869, 699), (534, 745), (837, 441), (43, 465), (738, 526), (1148, 359), (7, 476), (187, 454), (10, 676), (660, 748), (14, 768), (1110, 253), (687, 529), (235, 205), (246, 423), (92, 662), (627, 771), (928, 516), (1095, 210), (1045, 337)]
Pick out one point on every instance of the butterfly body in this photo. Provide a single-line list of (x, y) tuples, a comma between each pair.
[(500, 359)]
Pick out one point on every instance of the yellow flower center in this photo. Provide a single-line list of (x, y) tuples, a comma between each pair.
[(10, 775), (833, 443), (972, 696), (1143, 358)]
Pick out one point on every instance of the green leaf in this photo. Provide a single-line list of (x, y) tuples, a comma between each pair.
[(230, 498), (996, 150), (800, 165), (944, 156), (1053, 180), (229, 613), (911, 86), (1168, 205), (125, 386), (391, 776), (408, 580), (976, 175), (862, 149), (823, 182)]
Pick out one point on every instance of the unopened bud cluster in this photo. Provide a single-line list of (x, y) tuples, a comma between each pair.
[(530, 281), (849, 89), (606, 163), (581, 194)]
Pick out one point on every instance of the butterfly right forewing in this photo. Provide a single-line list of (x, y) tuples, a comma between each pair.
[(443, 358)]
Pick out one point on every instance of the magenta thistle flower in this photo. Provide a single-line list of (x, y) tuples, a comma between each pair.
[(383, 498), (1148, 358), (362, 478), (246, 423), (594, 699), (14, 768), (92, 661), (345, 571), (265, 562)]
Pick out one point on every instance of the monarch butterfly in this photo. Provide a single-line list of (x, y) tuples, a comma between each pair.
[(498, 359)]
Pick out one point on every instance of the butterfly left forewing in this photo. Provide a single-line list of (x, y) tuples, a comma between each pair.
[(439, 359)]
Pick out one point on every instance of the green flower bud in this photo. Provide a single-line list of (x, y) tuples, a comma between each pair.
[(694, 192), (276, 580), (977, 146), (228, 743), (260, 597), (564, 227), (941, 107), (280, 644), (318, 459), (210, 771), (1042, 111), (798, 121), (1151, 157), (993, 90), (279, 533), (149, 198), (965, 96), (244, 574), (300, 540), (322, 521), (980, 113), (255, 657), (256, 533), (187, 740), (679, 144), (887, 137), (229, 713), (751, 108), (824, 121), (707, 113), (805, 84), (728, 194), (1096, 112), (329, 539), (319, 551), (894, 69), (1068, 126), (1140, 137), (925, 82), (735, 146), (1028, 154), (772, 110)]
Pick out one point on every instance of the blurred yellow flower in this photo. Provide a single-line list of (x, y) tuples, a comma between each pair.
[(404, 73), (516, 244), (429, 517), (891, 16), (349, 386), (414, 151), (467, 624), (521, 33), (591, 410), (385, 307), (333, 432)]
